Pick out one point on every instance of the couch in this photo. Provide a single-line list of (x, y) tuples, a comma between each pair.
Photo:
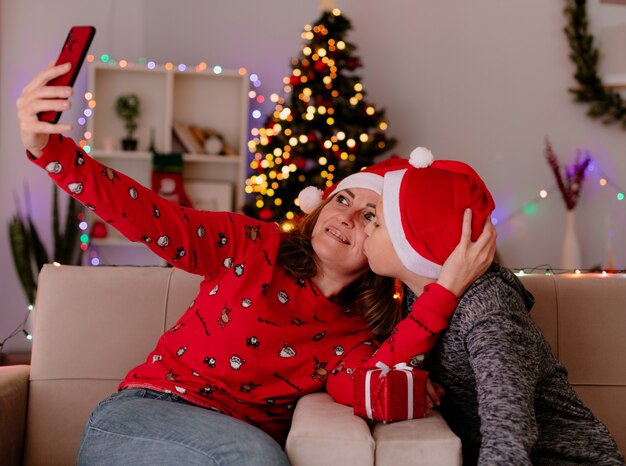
[(93, 324)]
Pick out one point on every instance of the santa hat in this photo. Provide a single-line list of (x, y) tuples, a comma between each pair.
[(369, 178), (423, 207)]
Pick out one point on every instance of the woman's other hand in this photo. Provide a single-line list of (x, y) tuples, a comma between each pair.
[(38, 97), (470, 259)]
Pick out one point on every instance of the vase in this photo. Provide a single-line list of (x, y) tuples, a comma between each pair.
[(570, 252)]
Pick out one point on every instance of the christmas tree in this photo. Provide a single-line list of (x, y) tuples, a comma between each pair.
[(322, 131)]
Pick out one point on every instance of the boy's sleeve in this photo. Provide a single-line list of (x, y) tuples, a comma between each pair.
[(505, 363), (192, 240), (418, 332), (409, 342)]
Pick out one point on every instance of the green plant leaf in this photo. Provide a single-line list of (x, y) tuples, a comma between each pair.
[(71, 234), (39, 252), (21, 253), (29, 252), (604, 102), (56, 231)]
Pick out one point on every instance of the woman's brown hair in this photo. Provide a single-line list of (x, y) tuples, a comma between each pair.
[(370, 296)]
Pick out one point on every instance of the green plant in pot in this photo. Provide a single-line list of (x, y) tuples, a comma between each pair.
[(29, 252), (127, 108)]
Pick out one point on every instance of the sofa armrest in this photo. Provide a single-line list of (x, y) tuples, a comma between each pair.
[(427, 441), (13, 399), (325, 433)]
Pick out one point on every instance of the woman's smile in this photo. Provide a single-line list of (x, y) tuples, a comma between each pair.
[(335, 233)]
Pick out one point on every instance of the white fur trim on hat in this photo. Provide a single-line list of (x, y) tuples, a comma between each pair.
[(421, 157), (365, 180), (309, 198), (393, 220)]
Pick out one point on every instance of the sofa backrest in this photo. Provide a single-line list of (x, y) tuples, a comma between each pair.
[(93, 324), (584, 320)]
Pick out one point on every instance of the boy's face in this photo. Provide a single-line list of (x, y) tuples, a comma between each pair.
[(380, 253)]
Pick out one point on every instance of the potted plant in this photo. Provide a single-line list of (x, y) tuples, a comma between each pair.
[(127, 108), (28, 250)]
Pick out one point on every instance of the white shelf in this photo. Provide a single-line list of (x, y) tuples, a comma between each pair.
[(206, 158), (615, 81), (144, 155), (121, 241), (117, 250), (204, 99)]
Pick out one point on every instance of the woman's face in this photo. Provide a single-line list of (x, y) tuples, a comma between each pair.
[(339, 232)]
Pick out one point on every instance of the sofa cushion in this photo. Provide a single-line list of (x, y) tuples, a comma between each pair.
[(427, 441), (92, 325), (13, 396), (544, 311), (57, 413), (592, 339), (582, 317), (326, 433)]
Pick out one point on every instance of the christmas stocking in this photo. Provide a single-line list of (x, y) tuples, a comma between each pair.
[(167, 177)]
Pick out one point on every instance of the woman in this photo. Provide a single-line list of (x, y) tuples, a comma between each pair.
[(276, 317)]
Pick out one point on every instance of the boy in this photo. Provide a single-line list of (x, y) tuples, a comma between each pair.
[(507, 396)]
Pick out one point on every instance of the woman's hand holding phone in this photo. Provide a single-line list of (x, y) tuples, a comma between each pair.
[(46, 96), (38, 97)]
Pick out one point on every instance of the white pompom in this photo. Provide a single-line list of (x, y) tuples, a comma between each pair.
[(309, 198), (421, 157)]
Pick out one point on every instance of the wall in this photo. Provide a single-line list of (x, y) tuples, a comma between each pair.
[(481, 81), (32, 33)]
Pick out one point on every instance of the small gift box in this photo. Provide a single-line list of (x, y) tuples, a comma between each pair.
[(388, 394)]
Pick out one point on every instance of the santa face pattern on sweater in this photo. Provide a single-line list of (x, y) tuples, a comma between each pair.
[(262, 365)]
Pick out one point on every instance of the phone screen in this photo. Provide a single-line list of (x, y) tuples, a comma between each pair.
[(74, 51)]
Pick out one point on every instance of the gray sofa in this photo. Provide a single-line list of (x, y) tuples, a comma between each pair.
[(94, 323)]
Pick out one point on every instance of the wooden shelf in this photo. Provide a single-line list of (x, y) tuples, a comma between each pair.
[(206, 100), (115, 241), (615, 81), (143, 155)]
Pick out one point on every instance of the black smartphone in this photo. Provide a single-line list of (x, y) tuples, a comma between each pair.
[(74, 51)]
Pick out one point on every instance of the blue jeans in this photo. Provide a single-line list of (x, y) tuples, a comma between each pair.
[(144, 427)]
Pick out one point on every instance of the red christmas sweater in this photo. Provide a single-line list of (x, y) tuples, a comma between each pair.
[(254, 340)]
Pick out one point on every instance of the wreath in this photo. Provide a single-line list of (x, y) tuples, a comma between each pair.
[(605, 103)]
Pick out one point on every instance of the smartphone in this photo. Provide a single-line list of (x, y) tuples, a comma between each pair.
[(74, 51)]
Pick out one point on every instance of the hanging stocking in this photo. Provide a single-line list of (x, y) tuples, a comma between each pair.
[(167, 177)]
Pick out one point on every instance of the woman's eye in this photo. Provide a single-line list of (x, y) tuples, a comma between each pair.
[(342, 199), (370, 217)]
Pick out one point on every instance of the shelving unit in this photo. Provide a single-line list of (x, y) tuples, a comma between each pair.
[(203, 99)]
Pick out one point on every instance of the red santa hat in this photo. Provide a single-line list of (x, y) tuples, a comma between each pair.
[(369, 178), (423, 207)]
